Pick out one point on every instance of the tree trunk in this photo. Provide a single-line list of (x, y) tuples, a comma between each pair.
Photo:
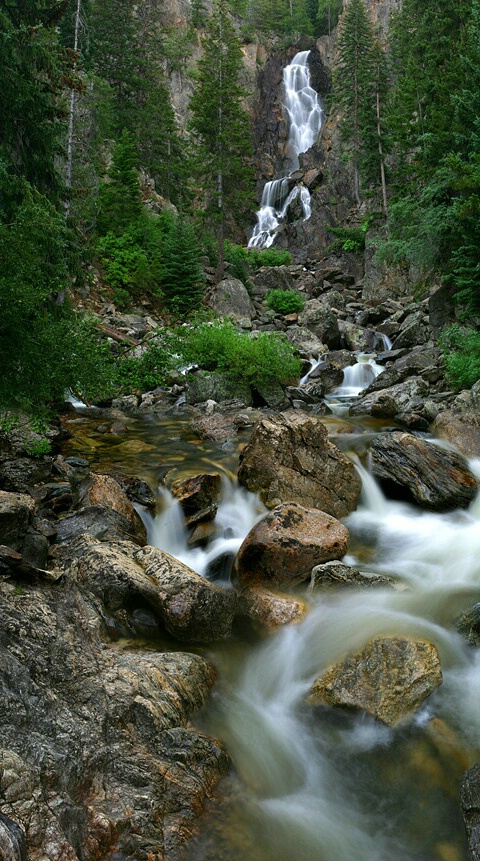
[(71, 113), (380, 152)]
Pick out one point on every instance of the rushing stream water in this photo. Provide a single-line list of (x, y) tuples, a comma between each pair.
[(320, 784)]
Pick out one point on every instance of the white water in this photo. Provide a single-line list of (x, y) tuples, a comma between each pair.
[(355, 378), (305, 119)]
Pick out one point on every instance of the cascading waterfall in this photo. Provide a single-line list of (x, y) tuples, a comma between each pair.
[(305, 118)]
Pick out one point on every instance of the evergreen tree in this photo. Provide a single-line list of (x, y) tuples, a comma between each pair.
[(119, 196), (357, 88), (328, 12), (220, 126), (182, 279)]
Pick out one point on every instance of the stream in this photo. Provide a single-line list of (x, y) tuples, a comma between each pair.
[(320, 784)]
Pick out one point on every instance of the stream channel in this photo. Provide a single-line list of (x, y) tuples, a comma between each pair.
[(323, 784)]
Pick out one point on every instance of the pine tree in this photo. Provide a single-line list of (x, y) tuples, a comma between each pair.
[(355, 86), (220, 126), (119, 196), (182, 279)]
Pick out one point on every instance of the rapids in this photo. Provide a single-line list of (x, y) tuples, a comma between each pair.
[(323, 784)]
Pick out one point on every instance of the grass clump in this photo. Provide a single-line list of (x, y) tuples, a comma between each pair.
[(284, 301)]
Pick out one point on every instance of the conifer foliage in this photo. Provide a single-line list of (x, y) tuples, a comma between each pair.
[(220, 126), (359, 88)]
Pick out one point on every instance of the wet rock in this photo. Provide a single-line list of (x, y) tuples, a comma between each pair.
[(12, 840), (98, 757), (230, 298), (461, 423), (331, 575), (390, 678), (100, 522), (322, 321), (469, 625), (267, 610), (138, 491), (16, 512), (287, 543), (272, 394), (19, 474), (394, 401), (289, 458), (198, 496), (425, 363), (470, 800), (104, 491), (192, 608), (433, 477)]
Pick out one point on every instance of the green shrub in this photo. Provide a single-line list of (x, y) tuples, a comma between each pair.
[(219, 346), (145, 372), (243, 260), (284, 301), (349, 238), (269, 257), (461, 347)]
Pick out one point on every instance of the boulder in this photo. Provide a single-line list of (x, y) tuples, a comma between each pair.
[(198, 496), (105, 491), (230, 299), (423, 362), (331, 575), (16, 512), (100, 522), (289, 458), (284, 546), (470, 800), (267, 610), (189, 607), (390, 678), (98, 757), (394, 402), (468, 624), (272, 278), (322, 321), (211, 385), (305, 340), (433, 477)]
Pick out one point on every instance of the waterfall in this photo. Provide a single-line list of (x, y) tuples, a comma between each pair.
[(305, 118)]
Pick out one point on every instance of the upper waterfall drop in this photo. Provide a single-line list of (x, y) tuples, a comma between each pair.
[(305, 116)]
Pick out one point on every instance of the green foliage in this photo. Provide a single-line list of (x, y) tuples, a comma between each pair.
[(284, 301), (119, 196), (219, 346), (182, 277), (123, 263), (350, 238), (145, 372), (461, 348), (243, 259), (220, 125), (328, 12), (285, 18)]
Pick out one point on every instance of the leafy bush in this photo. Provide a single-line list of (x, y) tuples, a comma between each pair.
[(144, 372), (269, 257), (462, 356), (242, 260), (219, 346), (349, 238), (284, 301)]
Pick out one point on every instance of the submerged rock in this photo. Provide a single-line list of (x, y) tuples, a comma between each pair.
[(435, 478), (390, 678), (284, 546), (268, 610), (331, 575), (289, 458)]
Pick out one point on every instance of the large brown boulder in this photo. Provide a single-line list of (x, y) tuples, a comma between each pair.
[(289, 458), (390, 678), (198, 496), (435, 478), (287, 543), (267, 610)]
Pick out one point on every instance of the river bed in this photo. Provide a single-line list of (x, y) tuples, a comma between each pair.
[(321, 784)]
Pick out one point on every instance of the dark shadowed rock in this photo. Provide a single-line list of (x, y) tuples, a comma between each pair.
[(211, 385), (16, 512), (322, 321), (393, 401), (287, 543), (289, 457), (435, 478), (470, 800), (198, 496), (100, 522), (390, 678)]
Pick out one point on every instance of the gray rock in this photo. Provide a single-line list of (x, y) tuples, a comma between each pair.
[(289, 458), (322, 321), (393, 400), (16, 512), (230, 299), (212, 385), (333, 574), (470, 800), (433, 477)]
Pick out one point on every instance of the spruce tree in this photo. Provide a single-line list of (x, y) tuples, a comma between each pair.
[(182, 278), (220, 126), (355, 88), (119, 195)]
